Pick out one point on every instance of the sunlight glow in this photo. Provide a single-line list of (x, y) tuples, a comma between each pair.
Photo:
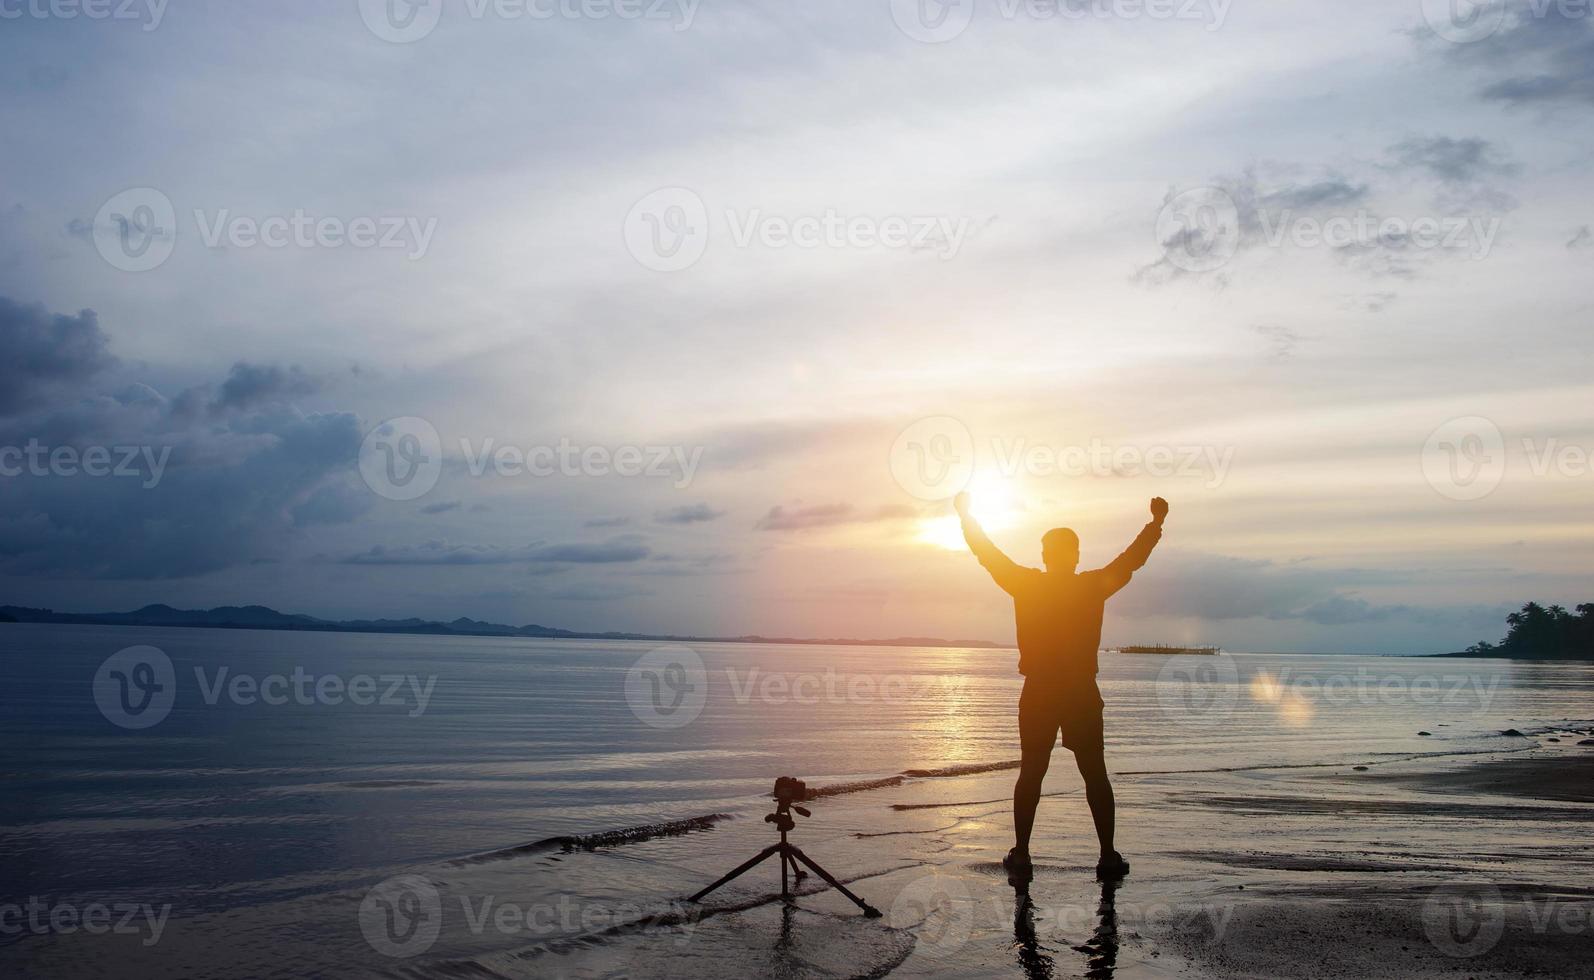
[(994, 502), (1294, 708)]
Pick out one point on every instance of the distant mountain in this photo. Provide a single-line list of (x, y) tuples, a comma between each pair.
[(265, 618)]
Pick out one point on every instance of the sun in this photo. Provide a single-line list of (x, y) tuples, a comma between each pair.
[(995, 505)]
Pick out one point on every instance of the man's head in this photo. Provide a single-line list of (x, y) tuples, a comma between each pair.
[(1060, 550)]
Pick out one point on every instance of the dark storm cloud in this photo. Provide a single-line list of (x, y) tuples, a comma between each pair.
[(1542, 54), (181, 493), (40, 351), (249, 385), (335, 503), (688, 514)]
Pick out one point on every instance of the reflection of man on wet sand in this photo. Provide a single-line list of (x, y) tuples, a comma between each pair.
[(1059, 612)]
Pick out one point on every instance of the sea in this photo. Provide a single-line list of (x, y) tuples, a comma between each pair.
[(256, 791)]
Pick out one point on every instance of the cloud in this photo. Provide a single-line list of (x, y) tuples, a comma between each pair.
[(186, 494), (688, 514), (1582, 238), (1216, 588), (598, 591), (441, 507), (1257, 209), (1282, 341), (1452, 160), (624, 549), (41, 351), (250, 385), (335, 503), (606, 522), (1542, 54), (781, 518)]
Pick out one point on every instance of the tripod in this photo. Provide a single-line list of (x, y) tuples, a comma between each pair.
[(790, 854)]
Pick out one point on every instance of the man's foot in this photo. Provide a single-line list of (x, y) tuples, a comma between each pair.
[(1016, 860), (1112, 867)]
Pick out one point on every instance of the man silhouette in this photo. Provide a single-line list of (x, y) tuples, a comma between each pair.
[(1059, 614)]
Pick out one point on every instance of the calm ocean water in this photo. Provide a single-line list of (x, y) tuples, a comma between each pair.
[(476, 745)]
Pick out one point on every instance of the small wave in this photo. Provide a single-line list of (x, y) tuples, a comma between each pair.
[(967, 769), (860, 786), (591, 842)]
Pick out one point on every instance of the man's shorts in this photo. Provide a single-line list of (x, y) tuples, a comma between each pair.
[(1049, 707)]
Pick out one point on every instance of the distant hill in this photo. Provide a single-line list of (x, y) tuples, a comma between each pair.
[(265, 618), (1542, 633)]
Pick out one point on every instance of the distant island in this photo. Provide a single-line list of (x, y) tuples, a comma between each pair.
[(265, 618), (1542, 633)]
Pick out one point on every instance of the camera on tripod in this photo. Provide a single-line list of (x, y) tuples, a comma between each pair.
[(789, 791)]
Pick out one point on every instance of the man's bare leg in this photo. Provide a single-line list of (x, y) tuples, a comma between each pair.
[(1027, 796), (1103, 810)]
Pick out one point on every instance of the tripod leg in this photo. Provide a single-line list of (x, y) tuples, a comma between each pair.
[(785, 859), (761, 855), (868, 910)]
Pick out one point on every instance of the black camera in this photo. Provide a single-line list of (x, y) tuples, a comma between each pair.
[(790, 789)]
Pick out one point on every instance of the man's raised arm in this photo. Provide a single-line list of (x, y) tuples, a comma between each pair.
[(1125, 565), (1003, 569)]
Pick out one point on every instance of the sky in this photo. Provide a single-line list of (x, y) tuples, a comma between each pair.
[(689, 317)]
